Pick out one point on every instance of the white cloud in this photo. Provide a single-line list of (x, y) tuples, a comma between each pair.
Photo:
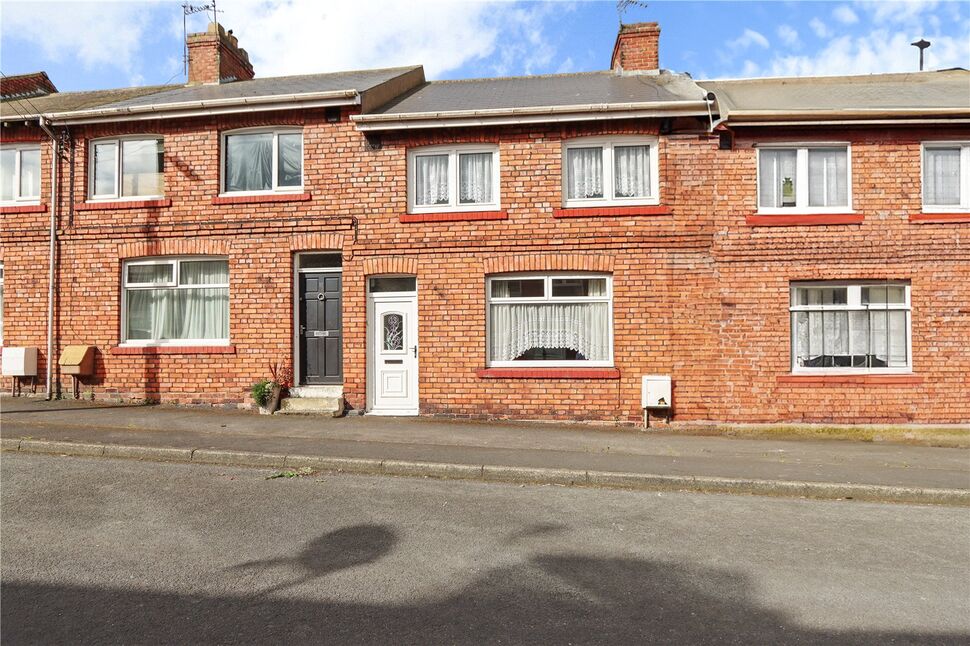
[(894, 11), (845, 15), (876, 52), (303, 36), (92, 33), (788, 36), (820, 28), (747, 39)]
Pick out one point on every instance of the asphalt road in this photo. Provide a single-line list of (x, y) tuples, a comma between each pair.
[(111, 551)]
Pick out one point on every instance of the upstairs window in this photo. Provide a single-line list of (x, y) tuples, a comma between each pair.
[(263, 161), (453, 178), (19, 174), (814, 179), (176, 301), (946, 176), (610, 172), (127, 167), (852, 327), (550, 320)]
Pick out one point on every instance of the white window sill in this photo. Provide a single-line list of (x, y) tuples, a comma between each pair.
[(452, 208), (127, 198), (846, 372), (575, 204), (794, 210), (288, 191), (31, 202), (943, 210), (550, 364)]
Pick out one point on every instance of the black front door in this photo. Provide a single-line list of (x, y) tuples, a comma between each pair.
[(321, 360)]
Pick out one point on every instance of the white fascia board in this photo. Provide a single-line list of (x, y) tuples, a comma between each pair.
[(522, 119), (217, 106), (698, 104), (845, 122)]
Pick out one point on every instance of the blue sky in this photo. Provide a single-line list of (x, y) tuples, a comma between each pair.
[(90, 45)]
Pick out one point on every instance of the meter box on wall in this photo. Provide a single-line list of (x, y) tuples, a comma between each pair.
[(19, 362), (656, 391)]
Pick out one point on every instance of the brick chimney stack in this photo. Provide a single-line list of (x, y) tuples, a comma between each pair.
[(215, 57), (637, 48)]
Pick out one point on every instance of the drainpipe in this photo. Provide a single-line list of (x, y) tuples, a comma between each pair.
[(50, 277)]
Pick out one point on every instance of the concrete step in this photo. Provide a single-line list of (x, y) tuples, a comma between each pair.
[(317, 391), (330, 406)]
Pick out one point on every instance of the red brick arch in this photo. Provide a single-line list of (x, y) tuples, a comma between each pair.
[(390, 265), (317, 242), (549, 262), (174, 247)]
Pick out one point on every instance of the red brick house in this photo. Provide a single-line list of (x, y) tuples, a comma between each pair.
[(783, 249)]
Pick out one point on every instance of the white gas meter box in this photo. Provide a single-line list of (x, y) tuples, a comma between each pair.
[(19, 362), (656, 391)]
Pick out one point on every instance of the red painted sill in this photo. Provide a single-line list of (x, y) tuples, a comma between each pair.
[(455, 216), (23, 208), (610, 211), (123, 204), (939, 218), (258, 199), (548, 373), (755, 220), (148, 350), (850, 380)]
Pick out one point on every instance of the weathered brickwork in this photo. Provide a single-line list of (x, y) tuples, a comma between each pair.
[(699, 294)]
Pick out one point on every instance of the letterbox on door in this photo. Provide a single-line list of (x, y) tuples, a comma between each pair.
[(77, 360)]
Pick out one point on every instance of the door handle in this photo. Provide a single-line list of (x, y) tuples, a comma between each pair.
[(414, 349), (302, 329)]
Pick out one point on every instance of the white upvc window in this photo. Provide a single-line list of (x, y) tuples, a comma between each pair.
[(850, 327), (610, 171), (20, 174), (946, 176), (258, 161), (131, 167), (811, 178), (549, 320), (453, 178), (175, 301)]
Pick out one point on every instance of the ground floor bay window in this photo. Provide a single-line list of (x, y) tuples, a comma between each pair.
[(176, 301), (549, 320), (850, 327)]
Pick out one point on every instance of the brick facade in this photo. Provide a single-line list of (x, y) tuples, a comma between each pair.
[(699, 293)]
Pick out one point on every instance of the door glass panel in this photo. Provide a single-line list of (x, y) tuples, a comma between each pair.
[(320, 261), (393, 284), (393, 332)]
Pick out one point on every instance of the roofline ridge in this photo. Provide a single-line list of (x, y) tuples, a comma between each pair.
[(828, 76), (523, 76)]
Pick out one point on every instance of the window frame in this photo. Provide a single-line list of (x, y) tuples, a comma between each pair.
[(547, 276), (173, 284), (964, 205), (18, 199), (853, 304), (801, 178), (116, 195), (276, 131), (453, 151), (609, 177)]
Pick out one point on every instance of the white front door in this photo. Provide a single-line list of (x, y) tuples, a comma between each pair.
[(392, 384)]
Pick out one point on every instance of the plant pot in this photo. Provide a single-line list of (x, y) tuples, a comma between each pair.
[(273, 403)]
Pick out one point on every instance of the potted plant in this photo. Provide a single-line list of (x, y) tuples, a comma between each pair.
[(268, 392)]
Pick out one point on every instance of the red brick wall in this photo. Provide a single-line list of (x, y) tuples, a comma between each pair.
[(637, 48), (699, 294)]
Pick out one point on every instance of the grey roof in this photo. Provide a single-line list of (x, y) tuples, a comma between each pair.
[(552, 90), (915, 93), (70, 101), (359, 81)]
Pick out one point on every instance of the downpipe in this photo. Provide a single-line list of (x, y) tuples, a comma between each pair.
[(55, 153)]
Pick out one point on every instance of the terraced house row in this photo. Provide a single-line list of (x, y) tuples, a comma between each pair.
[(784, 249)]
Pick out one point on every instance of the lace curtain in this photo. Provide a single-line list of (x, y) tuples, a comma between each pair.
[(249, 162), (823, 336), (475, 178), (584, 173), (517, 327), (431, 180), (941, 177), (187, 313), (632, 171), (828, 177)]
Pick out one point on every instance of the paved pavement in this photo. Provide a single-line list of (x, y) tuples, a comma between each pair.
[(479, 443), (146, 553)]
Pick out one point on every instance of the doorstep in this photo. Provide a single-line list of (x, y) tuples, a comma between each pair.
[(325, 400)]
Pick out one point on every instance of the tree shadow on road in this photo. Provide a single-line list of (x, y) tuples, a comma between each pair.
[(548, 598)]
